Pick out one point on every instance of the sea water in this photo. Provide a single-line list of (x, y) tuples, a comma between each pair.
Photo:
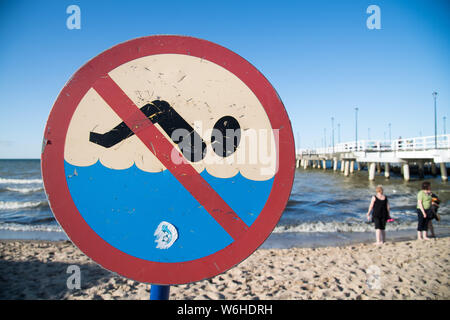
[(325, 207)]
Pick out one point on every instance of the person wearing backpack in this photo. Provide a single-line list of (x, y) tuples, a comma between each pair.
[(433, 213)]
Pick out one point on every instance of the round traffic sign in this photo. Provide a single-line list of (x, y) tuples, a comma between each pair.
[(168, 159)]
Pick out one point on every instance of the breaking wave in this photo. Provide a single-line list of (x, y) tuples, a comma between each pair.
[(27, 227), (341, 227), (24, 190), (13, 205), (19, 181)]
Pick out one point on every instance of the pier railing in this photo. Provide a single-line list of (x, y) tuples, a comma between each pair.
[(401, 144)]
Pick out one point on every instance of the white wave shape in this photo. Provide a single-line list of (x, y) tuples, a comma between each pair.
[(341, 227), (24, 190), (202, 92), (24, 227), (12, 205), (19, 181)]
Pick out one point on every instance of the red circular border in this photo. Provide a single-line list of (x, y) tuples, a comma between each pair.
[(65, 211)]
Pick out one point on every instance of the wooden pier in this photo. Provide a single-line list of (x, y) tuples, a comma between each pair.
[(432, 153)]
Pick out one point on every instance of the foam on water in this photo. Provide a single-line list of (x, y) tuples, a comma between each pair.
[(28, 227), (320, 226), (23, 190), (19, 181), (13, 205)]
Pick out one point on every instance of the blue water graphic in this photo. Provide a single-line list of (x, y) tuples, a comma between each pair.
[(124, 207)]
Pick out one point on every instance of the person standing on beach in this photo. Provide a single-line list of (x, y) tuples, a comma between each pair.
[(434, 213), (423, 210), (379, 206)]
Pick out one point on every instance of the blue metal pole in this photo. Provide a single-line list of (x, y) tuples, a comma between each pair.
[(158, 292)]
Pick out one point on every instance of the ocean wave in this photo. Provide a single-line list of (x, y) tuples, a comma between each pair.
[(334, 202), (13, 205), (24, 190), (27, 227), (341, 227), (293, 202), (19, 181)]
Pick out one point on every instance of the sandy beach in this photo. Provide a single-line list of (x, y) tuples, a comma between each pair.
[(396, 270)]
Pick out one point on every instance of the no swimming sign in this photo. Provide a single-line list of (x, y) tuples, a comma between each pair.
[(168, 159)]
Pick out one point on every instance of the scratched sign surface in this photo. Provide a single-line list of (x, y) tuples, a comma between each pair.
[(168, 159)]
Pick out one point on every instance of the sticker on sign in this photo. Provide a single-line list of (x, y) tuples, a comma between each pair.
[(183, 154)]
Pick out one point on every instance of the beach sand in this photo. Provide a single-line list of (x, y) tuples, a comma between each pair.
[(397, 270)]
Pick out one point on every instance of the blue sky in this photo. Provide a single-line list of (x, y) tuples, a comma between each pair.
[(319, 56)]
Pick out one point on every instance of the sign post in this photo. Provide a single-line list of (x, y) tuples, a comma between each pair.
[(168, 160), (159, 292)]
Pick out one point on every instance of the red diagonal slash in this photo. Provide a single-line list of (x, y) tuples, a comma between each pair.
[(158, 144)]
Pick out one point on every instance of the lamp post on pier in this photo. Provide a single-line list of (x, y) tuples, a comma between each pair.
[(356, 127), (339, 132), (390, 136), (434, 94), (444, 118), (332, 132)]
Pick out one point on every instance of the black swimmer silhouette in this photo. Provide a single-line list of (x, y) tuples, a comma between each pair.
[(189, 141)]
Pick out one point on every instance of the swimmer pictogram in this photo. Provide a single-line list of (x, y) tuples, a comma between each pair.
[(225, 135)]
